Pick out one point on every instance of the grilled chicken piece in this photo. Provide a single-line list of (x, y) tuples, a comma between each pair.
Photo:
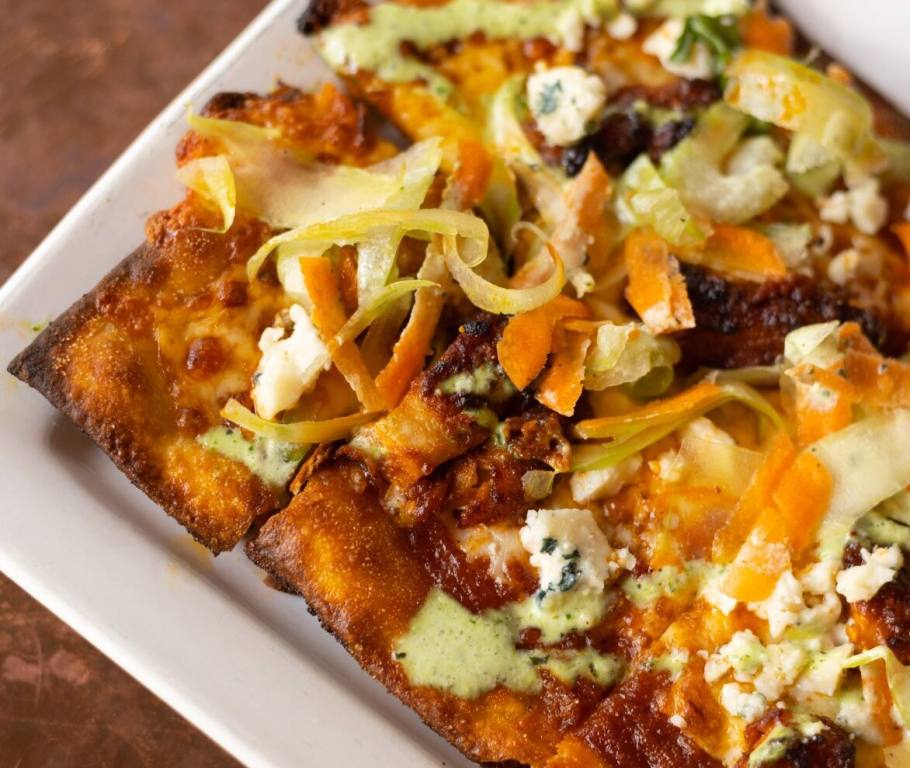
[(449, 409), (831, 747), (739, 323)]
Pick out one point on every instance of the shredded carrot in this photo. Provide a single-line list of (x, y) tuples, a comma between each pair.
[(328, 316), (561, 384), (588, 197), (877, 694), (656, 288), (692, 400), (802, 498), (874, 379), (879, 381), (472, 173), (740, 252), (902, 230), (732, 535), (767, 33), (411, 349), (783, 530), (527, 339)]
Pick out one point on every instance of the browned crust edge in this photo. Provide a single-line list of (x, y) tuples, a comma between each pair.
[(42, 364), (274, 551)]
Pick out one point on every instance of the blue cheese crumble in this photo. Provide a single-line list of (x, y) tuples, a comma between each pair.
[(566, 103)]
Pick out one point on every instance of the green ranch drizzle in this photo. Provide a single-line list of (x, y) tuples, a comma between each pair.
[(448, 647), (376, 46), (272, 462)]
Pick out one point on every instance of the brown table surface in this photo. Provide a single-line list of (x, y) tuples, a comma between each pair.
[(78, 80)]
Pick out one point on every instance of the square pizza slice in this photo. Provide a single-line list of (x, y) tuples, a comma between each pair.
[(146, 360)]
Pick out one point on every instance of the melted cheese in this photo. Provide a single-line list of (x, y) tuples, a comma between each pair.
[(286, 370)]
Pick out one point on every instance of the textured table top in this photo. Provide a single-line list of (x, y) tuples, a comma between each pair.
[(78, 80)]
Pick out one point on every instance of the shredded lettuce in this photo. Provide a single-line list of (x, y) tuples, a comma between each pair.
[(897, 508), (465, 241), (898, 677), (357, 228), (504, 130), (753, 375), (634, 432), (537, 484), (788, 94), (297, 433), (694, 168), (791, 240), (625, 354), (287, 190), (494, 298), (211, 178), (645, 199), (815, 344), (868, 463), (723, 465), (811, 168)]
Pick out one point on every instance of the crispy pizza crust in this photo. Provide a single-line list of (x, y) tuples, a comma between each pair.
[(144, 362), (337, 547), (98, 363)]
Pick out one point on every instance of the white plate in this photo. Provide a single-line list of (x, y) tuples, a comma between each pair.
[(246, 664)]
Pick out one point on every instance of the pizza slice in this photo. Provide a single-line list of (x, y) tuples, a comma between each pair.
[(579, 421), (146, 360)]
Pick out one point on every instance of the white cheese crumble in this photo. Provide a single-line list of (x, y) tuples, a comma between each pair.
[(678, 721), (845, 266), (739, 702), (784, 607), (568, 549), (663, 42), (852, 263), (286, 370), (835, 208), (855, 716), (819, 578), (744, 655), (714, 593), (782, 665), (868, 209), (862, 203), (862, 582), (622, 26), (565, 103), (770, 670), (603, 483)]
